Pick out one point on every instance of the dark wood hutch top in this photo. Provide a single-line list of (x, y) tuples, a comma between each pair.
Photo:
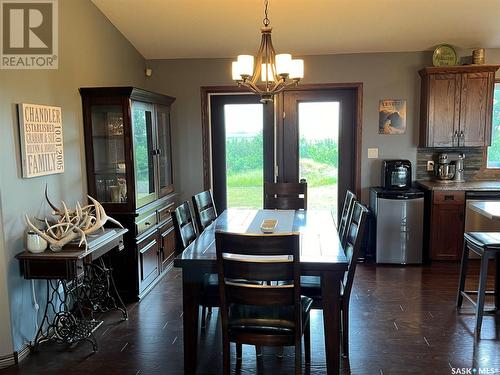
[(458, 69), (132, 92)]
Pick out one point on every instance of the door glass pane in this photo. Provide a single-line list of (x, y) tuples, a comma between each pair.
[(164, 158), (318, 152), (109, 156), (143, 151), (244, 155)]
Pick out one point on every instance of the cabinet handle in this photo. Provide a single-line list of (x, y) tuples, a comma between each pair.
[(455, 136), (147, 223), (449, 198), (462, 137)]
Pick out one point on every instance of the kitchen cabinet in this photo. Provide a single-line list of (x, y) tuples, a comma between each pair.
[(447, 225), (129, 170), (456, 105)]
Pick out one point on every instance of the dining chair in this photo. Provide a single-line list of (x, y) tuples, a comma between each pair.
[(349, 200), (269, 314), (204, 209), (311, 285), (184, 227), (285, 195), (185, 233)]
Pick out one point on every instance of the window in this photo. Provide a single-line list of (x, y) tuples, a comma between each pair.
[(494, 149)]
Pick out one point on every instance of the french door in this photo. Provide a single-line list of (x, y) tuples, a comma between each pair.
[(316, 143), (305, 134), (242, 144)]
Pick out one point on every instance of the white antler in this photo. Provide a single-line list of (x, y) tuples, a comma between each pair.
[(72, 224)]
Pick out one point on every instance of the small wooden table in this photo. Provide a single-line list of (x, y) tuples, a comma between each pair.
[(321, 255), (86, 283)]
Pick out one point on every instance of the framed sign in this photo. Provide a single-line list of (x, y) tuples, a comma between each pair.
[(41, 132), (392, 116)]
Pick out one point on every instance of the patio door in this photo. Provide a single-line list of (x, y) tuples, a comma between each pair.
[(242, 148), (316, 142), (305, 134)]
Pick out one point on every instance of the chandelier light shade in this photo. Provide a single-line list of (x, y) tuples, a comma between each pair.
[(267, 74)]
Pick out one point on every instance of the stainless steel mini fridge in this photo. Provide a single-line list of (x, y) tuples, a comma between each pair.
[(398, 218)]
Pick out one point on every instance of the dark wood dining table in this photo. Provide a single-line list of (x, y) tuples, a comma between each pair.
[(321, 255)]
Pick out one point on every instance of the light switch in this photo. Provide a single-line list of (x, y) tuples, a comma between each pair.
[(372, 153)]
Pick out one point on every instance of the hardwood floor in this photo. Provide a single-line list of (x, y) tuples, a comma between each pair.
[(403, 320)]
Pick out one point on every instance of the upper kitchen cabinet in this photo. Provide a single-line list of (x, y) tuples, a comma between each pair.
[(455, 105), (127, 144)]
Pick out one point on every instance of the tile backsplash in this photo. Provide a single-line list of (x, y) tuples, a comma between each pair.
[(472, 163)]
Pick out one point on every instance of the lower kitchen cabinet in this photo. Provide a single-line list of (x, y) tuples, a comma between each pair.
[(447, 225)]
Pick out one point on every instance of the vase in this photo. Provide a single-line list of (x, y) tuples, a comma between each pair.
[(35, 243)]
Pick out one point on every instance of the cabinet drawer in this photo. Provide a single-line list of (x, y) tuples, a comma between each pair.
[(146, 223), (164, 212), (448, 197)]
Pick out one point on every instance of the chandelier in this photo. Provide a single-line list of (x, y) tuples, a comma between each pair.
[(277, 72)]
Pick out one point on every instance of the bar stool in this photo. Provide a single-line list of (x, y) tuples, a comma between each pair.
[(487, 246)]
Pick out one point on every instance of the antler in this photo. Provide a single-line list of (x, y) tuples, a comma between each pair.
[(66, 236), (72, 224)]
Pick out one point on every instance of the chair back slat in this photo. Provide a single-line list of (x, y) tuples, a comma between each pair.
[(354, 238), (184, 227), (204, 209), (256, 270), (261, 244), (245, 257), (349, 200), (285, 196), (260, 295)]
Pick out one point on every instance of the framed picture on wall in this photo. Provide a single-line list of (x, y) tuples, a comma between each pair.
[(392, 116), (41, 133)]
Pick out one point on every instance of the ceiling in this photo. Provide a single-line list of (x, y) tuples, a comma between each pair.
[(166, 29)]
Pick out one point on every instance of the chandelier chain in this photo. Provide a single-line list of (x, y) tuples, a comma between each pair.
[(266, 10)]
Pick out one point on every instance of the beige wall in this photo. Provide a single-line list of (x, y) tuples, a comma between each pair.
[(384, 76), (92, 53)]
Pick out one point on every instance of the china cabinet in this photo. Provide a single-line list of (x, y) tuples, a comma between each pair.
[(129, 170)]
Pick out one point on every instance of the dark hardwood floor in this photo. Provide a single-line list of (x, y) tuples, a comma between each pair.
[(403, 320)]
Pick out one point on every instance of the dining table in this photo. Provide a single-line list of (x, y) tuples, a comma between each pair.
[(321, 254)]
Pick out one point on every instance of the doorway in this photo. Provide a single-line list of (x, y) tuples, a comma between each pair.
[(311, 133), (318, 133), (242, 138)]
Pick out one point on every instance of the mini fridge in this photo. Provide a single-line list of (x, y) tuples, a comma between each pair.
[(398, 218)]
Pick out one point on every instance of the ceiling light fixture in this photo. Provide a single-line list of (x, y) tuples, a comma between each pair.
[(277, 72)]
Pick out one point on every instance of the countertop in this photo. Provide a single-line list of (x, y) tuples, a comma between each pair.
[(460, 186), (486, 208)]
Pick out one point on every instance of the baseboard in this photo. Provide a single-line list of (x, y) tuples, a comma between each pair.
[(22, 353), (15, 358), (8, 360)]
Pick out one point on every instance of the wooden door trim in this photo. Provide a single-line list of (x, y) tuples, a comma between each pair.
[(205, 91)]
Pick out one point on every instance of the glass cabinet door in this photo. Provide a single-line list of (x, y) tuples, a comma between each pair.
[(144, 148), (109, 153), (165, 184)]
